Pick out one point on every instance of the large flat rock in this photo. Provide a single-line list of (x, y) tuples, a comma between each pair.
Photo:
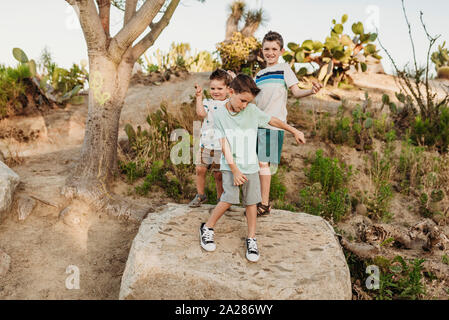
[(300, 258)]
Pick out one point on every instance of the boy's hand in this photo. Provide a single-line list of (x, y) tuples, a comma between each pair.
[(239, 178), (316, 86), (299, 137), (199, 90), (232, 74)]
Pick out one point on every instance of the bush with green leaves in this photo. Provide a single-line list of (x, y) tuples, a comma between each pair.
[(174, 180), (337, 54), (354, 129), (424, 175), (327, 194), (149, 151), (400, 279), (14, 83)]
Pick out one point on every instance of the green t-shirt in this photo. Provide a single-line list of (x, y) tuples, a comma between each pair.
[(240, 129)]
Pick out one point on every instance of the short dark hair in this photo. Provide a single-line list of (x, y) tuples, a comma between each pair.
[(222, 75), (244, 83), (274, 36)]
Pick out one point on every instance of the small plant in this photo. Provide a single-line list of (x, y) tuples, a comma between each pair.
[(355, 129), (210, 189), (424, 175), (380, 169), (327, 194), (401, 279), (132, 170), (445, 259)]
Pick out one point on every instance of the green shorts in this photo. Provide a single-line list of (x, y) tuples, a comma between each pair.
[(269, 145)]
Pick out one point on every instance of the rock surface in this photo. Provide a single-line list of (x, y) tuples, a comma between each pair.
[(9, 180), (5, 261), (25, 206), (300, 258)]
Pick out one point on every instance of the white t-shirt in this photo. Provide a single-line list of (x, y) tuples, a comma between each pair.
[(208, 139), (274, 82)]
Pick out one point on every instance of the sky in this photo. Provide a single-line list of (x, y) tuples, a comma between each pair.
[(32, 25)]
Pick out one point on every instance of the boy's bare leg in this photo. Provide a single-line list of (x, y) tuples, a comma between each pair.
[(251, 218), (218, 183), (218, 211), (265, 181), (200, 179)]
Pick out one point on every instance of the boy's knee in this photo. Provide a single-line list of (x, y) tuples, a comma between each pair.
[(201, 170), (218, 175)]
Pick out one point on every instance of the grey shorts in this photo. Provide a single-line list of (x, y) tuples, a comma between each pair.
[(250, 189)]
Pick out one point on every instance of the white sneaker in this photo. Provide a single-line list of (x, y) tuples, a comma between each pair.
[(207, 238), (252, 253)]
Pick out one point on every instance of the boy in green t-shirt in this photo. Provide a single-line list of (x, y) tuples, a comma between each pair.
[(236, 126)]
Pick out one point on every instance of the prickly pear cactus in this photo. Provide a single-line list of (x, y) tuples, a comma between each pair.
[(19, 55), (441, 57), (337, 53), (443, 72)]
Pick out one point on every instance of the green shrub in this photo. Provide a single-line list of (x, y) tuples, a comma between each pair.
[(132, 170), (332, 174), (327, 194), (210, 188), (355, 130), (277, 188), (400, 279), (13, 88)]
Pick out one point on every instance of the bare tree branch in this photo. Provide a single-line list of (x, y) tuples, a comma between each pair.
[(130, 10), (156, 30), (417, 73), (104, 6), (432, 41), (134, 28), (91, 24)]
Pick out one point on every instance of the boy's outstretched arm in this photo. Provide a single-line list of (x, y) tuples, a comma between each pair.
[(239, 177), (299, 136), (301, 93), (199, 102)]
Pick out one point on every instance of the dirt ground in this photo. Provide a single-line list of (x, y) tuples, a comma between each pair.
[(44, 245)]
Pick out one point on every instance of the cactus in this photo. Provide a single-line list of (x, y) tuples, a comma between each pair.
[(443, 72), (441, 57), (19, 55), (130, 133)]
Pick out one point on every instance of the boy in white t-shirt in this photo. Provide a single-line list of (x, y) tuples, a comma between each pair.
[(210, 148), (274, 82)]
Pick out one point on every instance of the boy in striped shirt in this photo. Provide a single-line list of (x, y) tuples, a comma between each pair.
[(274, 82)]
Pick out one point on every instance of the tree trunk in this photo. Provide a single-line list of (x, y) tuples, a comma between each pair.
[(250, 29), (231, 27), (98, 163)]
